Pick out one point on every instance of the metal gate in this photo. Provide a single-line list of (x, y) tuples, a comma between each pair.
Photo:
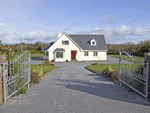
[(133, 73), (16, 74)]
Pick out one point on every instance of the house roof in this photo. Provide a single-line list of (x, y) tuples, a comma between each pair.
[(85, 45), (48, 46), (59, 49)]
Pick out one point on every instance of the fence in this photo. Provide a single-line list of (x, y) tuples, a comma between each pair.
[(16, 74), (134, 73)]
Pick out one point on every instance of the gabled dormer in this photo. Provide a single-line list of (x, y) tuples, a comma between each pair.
[(93, 42)]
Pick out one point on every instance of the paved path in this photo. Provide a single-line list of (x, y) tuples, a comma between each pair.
[(72, 89)]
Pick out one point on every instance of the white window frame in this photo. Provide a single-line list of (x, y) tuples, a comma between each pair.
[(64, 42), (86, 53), (56, 54), (93, 44), (94, 53)]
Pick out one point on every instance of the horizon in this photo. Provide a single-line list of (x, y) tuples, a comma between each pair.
[(118, 21)]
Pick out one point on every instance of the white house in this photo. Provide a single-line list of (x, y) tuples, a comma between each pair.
[(76, 47)]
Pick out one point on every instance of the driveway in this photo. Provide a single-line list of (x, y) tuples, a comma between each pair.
[(71, 88)]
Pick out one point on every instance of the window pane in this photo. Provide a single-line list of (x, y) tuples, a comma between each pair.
[(84, 53), (59, 54), (63, 42), (66, 42), (46, 53)]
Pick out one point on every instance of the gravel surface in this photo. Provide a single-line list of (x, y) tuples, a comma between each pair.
[(71, 88)]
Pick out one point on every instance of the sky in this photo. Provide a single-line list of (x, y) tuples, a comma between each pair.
[(120, 21)]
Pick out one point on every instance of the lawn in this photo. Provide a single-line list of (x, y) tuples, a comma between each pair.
[(45, 69), (127, 57), (100, 68), (36, 55)]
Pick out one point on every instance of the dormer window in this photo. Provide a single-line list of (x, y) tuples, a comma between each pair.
[(93, 42)]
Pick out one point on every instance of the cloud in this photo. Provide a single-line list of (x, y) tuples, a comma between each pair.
[(123, 30), (141, 31), (109, 19), (2, 24), (119, 34), (52, 36), (66, 29), (34, 35), (4, 34)]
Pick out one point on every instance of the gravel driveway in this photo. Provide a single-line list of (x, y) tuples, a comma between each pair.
[(71, 88)]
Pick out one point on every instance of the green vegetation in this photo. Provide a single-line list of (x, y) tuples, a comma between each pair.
[(101, 67), (45, 69), (127, 57), (107, 69), (36, 55), (38, 70)]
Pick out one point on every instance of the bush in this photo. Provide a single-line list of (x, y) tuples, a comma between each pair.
[(34, 77), (95, 63), (52, 65), (107, 69), (114, 74), (91, 64), (46, 62), (39, 71)]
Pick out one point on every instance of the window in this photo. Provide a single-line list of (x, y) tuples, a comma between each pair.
[(65, 42), (93, 43), (86, 53), (59, 54), (46, 53), (95, 53)]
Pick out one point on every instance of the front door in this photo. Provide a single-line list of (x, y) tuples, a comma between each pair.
[(73, 55)]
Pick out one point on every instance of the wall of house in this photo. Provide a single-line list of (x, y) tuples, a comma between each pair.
[(44, 55), (90, 57), (68, 48)]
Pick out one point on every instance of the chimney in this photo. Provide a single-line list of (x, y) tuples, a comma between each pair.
[(59, 35)]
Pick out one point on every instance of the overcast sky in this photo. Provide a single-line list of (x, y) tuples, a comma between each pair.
[(40, 20)]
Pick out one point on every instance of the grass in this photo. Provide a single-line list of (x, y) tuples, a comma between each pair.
[(127, 57), (36, 55), (45, 69), (100, 68)]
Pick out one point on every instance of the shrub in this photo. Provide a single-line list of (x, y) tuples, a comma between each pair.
[(107, 69), (52, 65), (39, 71), (34, 77), (46, 62), (95, 63), (91, 64), (114, 74)]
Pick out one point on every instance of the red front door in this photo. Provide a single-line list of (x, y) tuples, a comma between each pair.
[(73, 55)]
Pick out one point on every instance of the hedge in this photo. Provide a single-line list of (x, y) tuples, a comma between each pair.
[(132, 53)]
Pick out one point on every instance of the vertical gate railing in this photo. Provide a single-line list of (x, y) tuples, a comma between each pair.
[(16, 74), (133, 73)]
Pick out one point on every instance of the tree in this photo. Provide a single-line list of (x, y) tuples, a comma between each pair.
[(39, 48), (145, 48)]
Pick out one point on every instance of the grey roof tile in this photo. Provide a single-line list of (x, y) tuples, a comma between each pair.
[(85, 45), (48, 46), (59, 49)]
